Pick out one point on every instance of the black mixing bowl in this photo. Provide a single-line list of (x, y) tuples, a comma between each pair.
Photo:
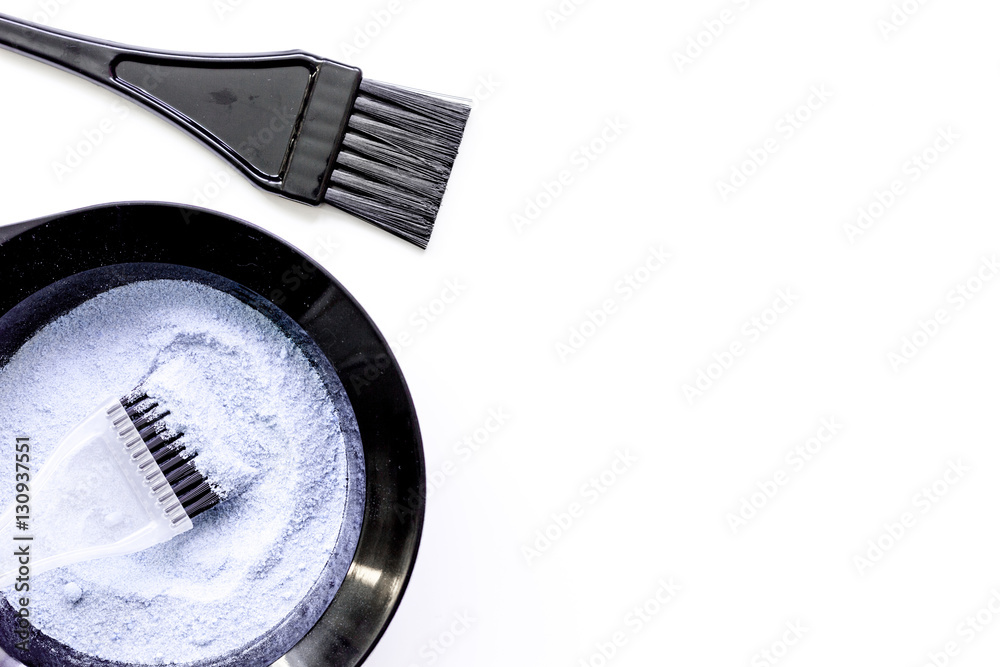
[(51, 265)]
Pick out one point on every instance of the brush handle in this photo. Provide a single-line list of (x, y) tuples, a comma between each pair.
[(82, 56), (137, 73), (92, 472), (277, 117), (148, 536)]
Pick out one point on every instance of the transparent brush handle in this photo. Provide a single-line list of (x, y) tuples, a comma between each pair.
[(93, 498), (146, 537)]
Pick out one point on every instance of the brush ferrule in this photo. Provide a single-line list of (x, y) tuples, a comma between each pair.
[(324, 119)]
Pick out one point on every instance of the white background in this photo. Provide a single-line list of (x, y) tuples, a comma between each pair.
[(525, 288)]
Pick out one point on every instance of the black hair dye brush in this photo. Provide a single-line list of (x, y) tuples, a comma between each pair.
[(121, 482), (300, 126)]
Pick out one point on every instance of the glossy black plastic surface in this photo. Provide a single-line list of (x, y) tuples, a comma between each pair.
[(36, 254), (251, 110), (278, 117)]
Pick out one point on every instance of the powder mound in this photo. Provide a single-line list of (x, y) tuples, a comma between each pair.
[(266, 430), (72, 592)]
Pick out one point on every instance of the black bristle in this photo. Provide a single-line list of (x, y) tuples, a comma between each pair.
[(383, 153), (396, 158), (162, 439), (191, 494), (381, 191), (188, 482), (407, 225), (148, 419), (140, 408), (195, 493), (203, 504), (133, 397), (164, 454), (178, 468), (397, 115), (418, 184), (150, 432), (443, 108)]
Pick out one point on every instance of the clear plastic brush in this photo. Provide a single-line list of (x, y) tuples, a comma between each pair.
[(119, 483)]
